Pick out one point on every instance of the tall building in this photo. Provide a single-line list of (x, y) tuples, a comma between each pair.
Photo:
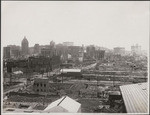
[(52, 45), (49, 50), (74, 50), (14, 51), (53, 48), (90, 50), (81, 54), (6, 52), (136, 49), (25, 46), (68, 43), (36, 49), (119, 51), (64, 53), (31, 51), (59, 49), (100, 54), (46, 52)]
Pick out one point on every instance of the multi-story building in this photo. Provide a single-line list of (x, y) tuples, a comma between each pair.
[(81, 54), (90, 51), (74, 51), (68, 43), (14, 51), (6, 52), (41, 85), (119, 51), (36, 49), (39, 64), (52, 45), (25, 47), (60, 49), (44, 64), (100, 54), (49, 51), (31, 51), (136, 49), (70, 52), (46, 52)]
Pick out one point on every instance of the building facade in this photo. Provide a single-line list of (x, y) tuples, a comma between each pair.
[(119, 51), (6, 52), (136, 49), (90, 51), (41, 85), (36, 49), (46, 52), (100, 54), (68, 43), (14, 51), (25, 47)]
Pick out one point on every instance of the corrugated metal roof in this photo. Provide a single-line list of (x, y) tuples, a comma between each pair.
[(53, 104), (70, 70), (135, 97), (66, 103)]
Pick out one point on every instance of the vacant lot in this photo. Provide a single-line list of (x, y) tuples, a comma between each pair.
[(88, 104)]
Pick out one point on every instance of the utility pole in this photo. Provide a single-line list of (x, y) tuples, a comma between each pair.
[(97, 85), (62, 74), (26, 75), (44, 98), (132, 68), (27, 71), (10, 78), (113, 80), (47, 69)]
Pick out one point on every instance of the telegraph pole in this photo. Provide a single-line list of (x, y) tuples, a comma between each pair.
[(47, 70), (10, 78), (26, 75), (27, 71), (97, 85), (113, 80), (62, 74)]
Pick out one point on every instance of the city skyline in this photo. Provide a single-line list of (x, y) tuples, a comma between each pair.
[(72, 44), (75, 57), (105, 24)]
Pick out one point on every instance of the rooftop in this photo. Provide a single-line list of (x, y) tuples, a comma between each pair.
[(41, 78), (65, 102), (70, 70), (135, 97)]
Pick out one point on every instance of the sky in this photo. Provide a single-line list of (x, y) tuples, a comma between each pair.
[(107, 24)]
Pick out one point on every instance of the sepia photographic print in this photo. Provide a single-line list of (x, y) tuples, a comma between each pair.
[(75, 57)]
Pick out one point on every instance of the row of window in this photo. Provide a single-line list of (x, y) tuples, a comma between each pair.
[(39, 84), (41, 90)]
